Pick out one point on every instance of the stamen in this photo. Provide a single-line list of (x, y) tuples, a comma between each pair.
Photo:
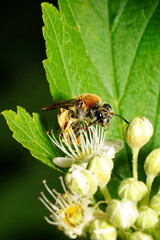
[(91, 131), (100, 134), (82, 143), (87, 142), (67, 199), (49, 190), (63, 185), (45, 204), (64, 149), (59, 199), (59, 144), (48, 202), (103, 136), (74, 142), (91, 143), (93, 135), (69, 147), (63, 201), (50, 222)]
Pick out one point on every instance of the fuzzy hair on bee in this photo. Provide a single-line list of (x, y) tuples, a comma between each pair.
[(88, 108)]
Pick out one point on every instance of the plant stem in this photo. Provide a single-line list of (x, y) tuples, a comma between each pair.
[(135, 152), (106, 193), (149, 182), (123, 234)]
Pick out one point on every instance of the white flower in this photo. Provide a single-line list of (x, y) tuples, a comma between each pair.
[(132, 189), (155, 203), (152, 163), (101, 166), (81, 181), (70, 212), (102, 229), (147, 218), (92, 143), (140, 236), (139, 132), (122, 213)]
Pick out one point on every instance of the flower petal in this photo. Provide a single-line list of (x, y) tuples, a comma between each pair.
[(63, 162), (113, 146)]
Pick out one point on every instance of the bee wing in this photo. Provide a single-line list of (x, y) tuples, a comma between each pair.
[(63, 104)]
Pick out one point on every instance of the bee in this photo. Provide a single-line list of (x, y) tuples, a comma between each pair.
[(87, 108)]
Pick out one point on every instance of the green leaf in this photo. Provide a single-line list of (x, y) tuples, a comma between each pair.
[(109, 48), (29, 132)]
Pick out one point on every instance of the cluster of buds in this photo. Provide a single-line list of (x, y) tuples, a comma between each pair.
[(89, 163)]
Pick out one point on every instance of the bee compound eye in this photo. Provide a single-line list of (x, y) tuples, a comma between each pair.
[(99, 115)]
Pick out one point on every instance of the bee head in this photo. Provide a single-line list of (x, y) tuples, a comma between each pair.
[(107, 107), (103, 115)]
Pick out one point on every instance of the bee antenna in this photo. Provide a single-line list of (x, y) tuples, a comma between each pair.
[(114, 114)]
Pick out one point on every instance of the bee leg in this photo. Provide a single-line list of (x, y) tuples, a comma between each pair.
[(91, 123), (77, 128), (71, 114), (60, 133), (86, 128), (106, 127)]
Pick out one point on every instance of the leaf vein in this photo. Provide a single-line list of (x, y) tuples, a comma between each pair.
[(136, 50), (117, 18), (74, 18), (28, 136), (156, 115), (60, 51)]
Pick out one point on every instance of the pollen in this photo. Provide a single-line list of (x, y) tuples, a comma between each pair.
[(73, 215)]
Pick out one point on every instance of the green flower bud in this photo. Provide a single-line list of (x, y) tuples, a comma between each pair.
[(140, 236), (102, 230), (152, 163), (101, 166), (139, 132), (132, 189), (122, 213), (155, 203), (81, 181), (147, 218)]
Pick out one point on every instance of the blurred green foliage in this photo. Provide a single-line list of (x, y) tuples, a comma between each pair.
[(23, 82)]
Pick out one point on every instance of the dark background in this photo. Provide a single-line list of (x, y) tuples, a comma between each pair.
[(23, 83)]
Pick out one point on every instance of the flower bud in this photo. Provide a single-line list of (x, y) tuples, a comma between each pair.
[(132, 189), (147, 218), (140, 236), (101, 229), (152, 163), (101, 166), (81, 181), (155, 203), (139, 132), (122, 213)]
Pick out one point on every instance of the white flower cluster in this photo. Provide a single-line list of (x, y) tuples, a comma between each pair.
[(89, 160)]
